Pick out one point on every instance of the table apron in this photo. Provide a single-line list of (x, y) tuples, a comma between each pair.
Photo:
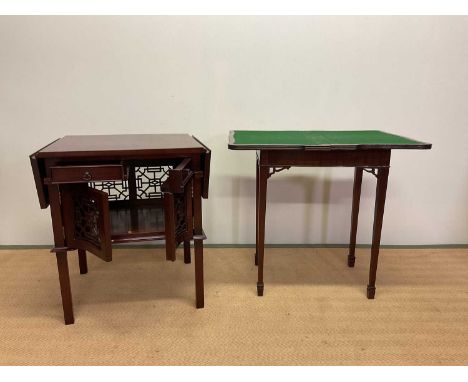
[(347, 158)]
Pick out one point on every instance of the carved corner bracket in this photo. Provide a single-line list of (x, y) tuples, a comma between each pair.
[(274, 170), (372, 170)]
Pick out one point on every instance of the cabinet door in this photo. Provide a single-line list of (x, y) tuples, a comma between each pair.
[(86, 219), (178, 212)]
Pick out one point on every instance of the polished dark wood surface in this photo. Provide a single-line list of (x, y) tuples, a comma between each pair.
[(85, 174), (85, 219), (125, 144)]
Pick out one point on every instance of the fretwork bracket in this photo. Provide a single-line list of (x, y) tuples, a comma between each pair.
[(373, 170), (274, 170)]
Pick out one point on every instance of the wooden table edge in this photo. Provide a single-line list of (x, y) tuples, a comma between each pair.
[(421, 146), (114, 153)]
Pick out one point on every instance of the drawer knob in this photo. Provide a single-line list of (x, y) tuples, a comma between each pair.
[(86, 176)]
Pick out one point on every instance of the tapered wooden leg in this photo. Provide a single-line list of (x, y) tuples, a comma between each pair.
[(82, 261), (257, 177), (354, 215), (381, 191), (187, 257), (199, 288), (262, 193), (65, 289)]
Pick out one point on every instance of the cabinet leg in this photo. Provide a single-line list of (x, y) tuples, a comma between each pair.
[(82, 261), (354, 215), (381, 191), (199, 288), (187, 256), (65, 288)]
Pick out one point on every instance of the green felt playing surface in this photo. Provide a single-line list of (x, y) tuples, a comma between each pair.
[(248, 139)]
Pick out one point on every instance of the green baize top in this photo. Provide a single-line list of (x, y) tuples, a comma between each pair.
[(240, 138)]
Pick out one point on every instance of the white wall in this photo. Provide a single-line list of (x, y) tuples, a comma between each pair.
[(207, 75)]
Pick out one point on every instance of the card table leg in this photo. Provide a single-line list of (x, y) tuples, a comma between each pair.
[(381, 191), (256, 213), (82, 261), (65, 289), (354, 215), (261, 211)]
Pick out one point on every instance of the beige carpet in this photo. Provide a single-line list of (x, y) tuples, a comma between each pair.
[(139, 309)]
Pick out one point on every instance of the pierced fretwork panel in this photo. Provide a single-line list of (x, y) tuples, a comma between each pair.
[(117, 190), (149, 180), (148, 184), (86, 220), (180, 214)]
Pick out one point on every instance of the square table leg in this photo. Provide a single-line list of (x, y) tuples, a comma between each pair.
[(62, 260), (187, 256), (198, 243), (199, 287), (83, 263), (380, 194), (354, 215), (261, 212), (257, 177), (65, 289)]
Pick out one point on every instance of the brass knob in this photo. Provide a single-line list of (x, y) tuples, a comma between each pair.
[(87, 176)]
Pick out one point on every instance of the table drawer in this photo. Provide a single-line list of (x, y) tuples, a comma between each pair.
[(84, 174)]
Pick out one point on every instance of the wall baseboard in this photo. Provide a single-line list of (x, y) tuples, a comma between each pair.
[(387, 246)]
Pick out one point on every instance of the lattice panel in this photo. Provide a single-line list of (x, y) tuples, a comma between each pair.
[(87, 220), (148, 184), (180, 212), (116, 190), (149, 181)]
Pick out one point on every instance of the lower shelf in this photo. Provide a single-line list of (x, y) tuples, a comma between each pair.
[(136, 222)]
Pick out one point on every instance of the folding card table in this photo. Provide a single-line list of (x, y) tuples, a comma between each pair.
[(106, 189), (364, 150)]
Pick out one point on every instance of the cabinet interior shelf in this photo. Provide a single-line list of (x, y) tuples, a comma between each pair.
[(140, 220)]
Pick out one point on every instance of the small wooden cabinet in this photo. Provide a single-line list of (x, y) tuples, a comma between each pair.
[(123, 189)]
